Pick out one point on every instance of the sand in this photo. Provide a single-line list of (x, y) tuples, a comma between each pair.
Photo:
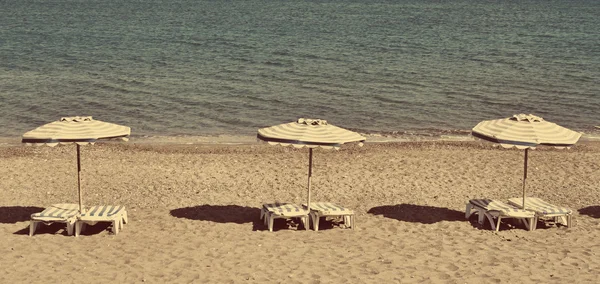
[(194, 214)]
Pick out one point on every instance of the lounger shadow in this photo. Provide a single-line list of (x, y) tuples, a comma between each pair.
[(495, 211)]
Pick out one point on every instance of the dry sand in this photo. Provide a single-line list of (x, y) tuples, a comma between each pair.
[(194, 214)]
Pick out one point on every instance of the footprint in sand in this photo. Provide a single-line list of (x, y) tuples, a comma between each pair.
[(452, 267)]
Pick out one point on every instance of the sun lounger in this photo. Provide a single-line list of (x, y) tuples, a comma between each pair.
[(56, 213), (328, 209), (497, 209), (272, 211), (544, 209), (104, 213)]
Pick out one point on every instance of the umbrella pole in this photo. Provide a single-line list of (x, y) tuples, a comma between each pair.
[(525, 175), (79, 176), (310, 155)]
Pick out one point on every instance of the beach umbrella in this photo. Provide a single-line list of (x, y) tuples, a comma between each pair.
[(525, 132), (80, 130), (309, 133)]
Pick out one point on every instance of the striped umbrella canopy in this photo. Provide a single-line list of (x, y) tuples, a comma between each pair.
[(525, 132), (309, 133), (81, 130)]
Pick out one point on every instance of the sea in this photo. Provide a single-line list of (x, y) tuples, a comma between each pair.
[(179, 68)]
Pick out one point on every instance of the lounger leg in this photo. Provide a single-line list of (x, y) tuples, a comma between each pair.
[(349, 221), (561, 219), (69, 230), (32, 226), (497, 225), (116, 224), (78, 226), (120, 223), (481, 214), (270, 219), (262, 213), (125, 218), (528, 222), (468, 211), (569, 221), (70, 225), (265, 218), (306, 221)]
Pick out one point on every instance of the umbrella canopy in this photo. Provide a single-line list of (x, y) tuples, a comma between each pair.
[(524, 132), (80, 130), (309, 133)]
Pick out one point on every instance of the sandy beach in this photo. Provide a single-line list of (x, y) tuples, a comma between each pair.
[(194, 214)]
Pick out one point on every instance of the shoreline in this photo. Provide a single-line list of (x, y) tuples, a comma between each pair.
[(251, 139)]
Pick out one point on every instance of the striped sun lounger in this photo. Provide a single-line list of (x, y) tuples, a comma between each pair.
[(56, 213), (328, 209), (544, 209), (104, 213), (272, 211), (497, 209)]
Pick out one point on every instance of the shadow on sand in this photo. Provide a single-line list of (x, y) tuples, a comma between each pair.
[(506, 224), (282, 224), (592, 211), (97, 229), (15, 214), (52, 229), (222, 214), (417, 213), (61, 229)]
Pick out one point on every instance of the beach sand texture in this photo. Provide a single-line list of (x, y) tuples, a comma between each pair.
[(194, 214)]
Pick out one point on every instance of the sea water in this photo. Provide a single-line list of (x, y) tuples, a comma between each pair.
[(190, 67)]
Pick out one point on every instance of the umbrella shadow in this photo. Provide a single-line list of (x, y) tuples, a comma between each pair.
[(417, 213), (221, 214), (15, 214), (592, 211)]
